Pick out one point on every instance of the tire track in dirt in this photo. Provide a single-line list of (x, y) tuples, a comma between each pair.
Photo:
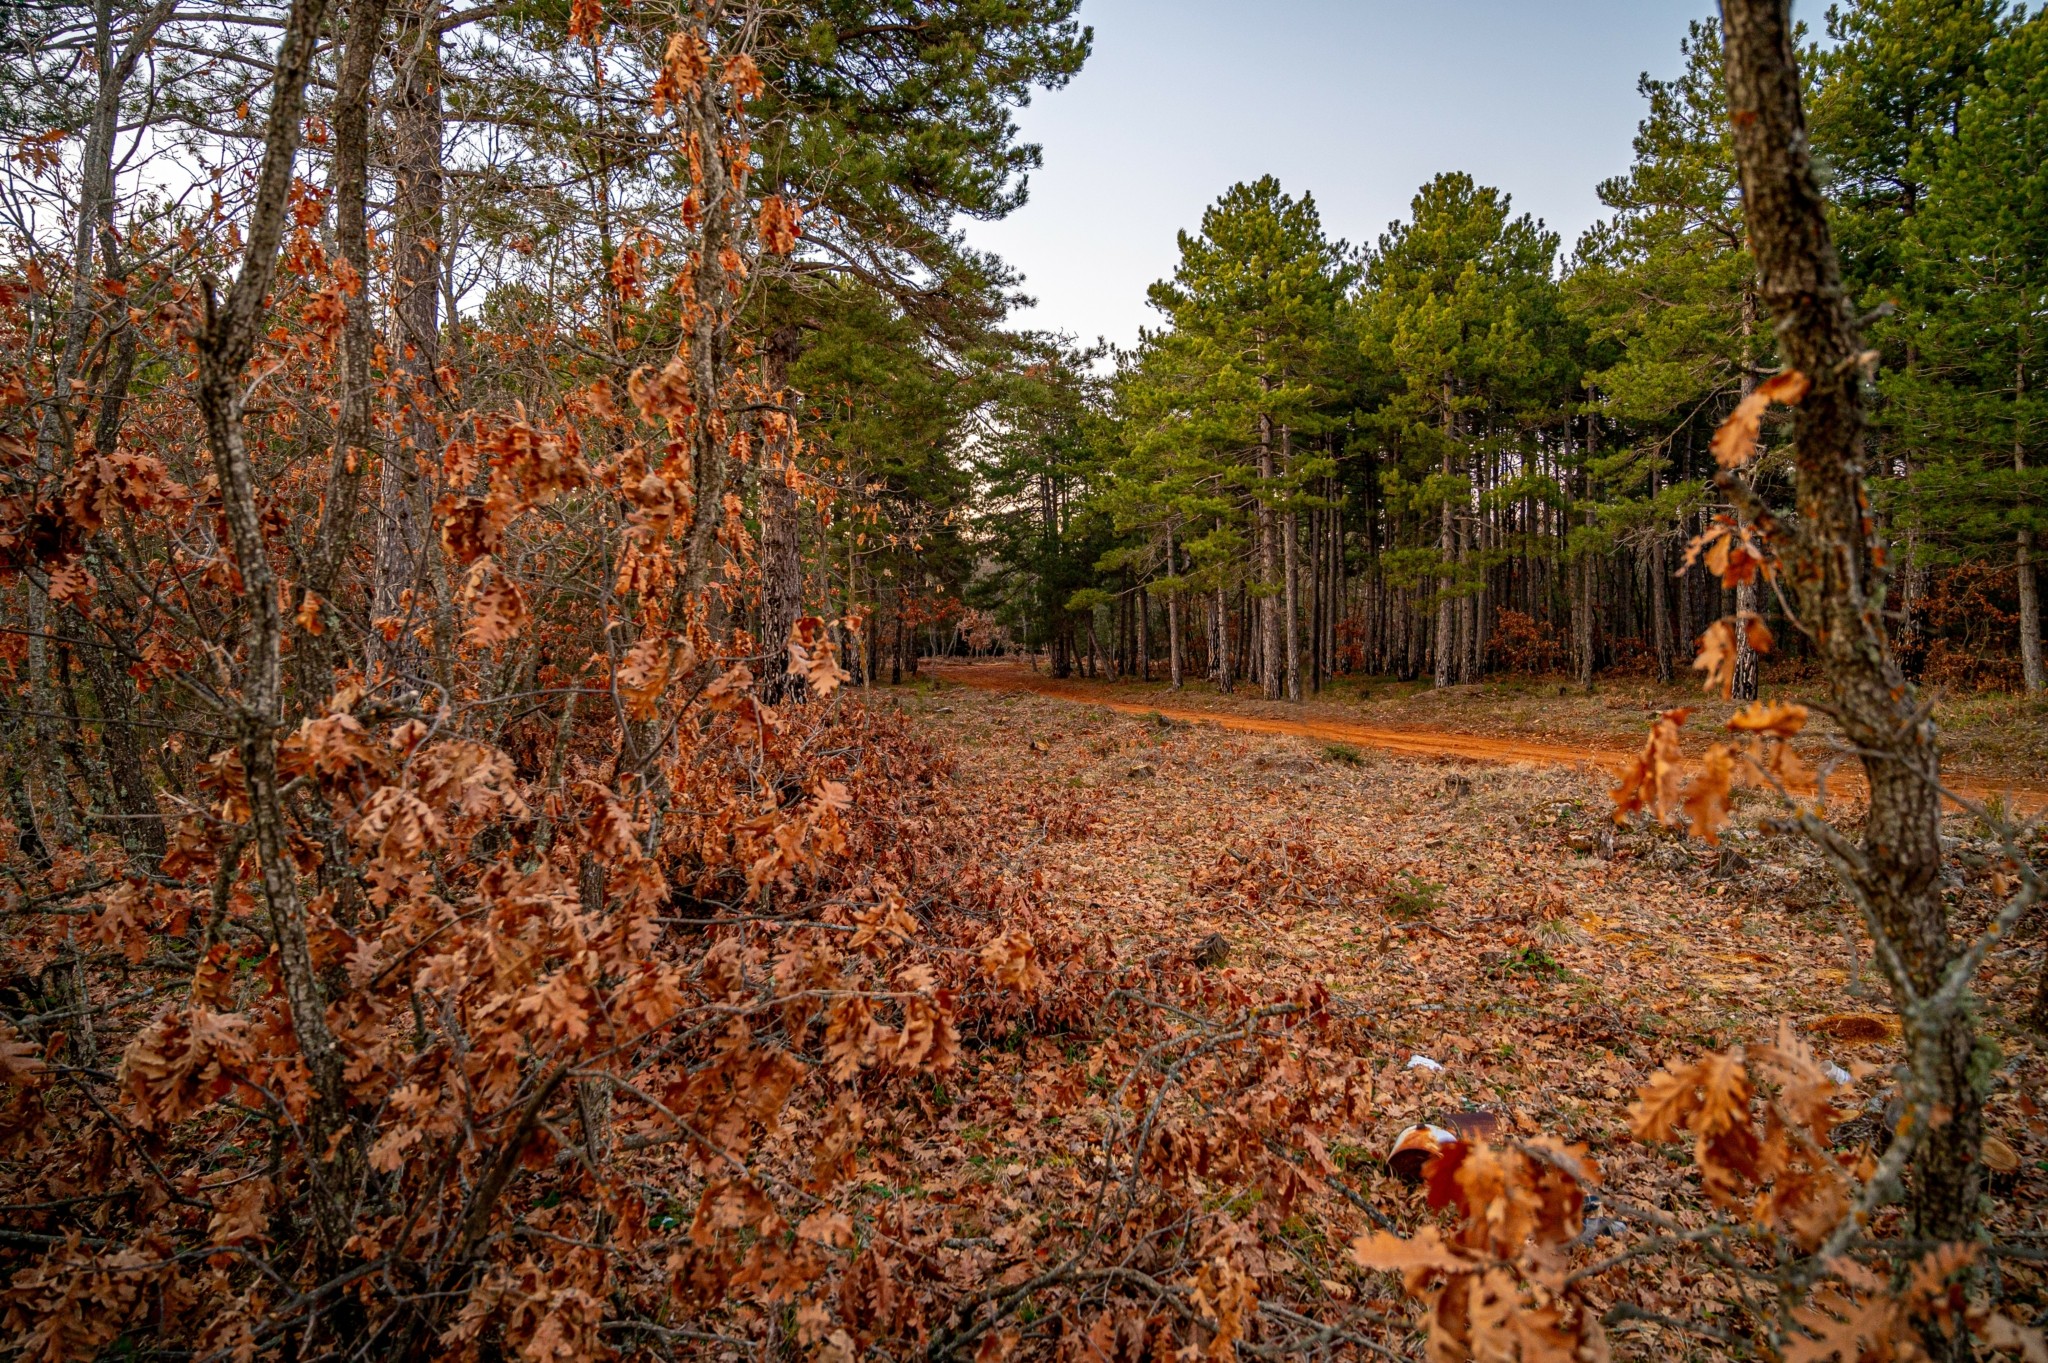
[(1407, 742)]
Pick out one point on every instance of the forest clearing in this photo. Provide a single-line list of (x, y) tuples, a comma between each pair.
[(605, 756), (1518, 721)]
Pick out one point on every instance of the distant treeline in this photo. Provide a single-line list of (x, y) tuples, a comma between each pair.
[(1457, 451)]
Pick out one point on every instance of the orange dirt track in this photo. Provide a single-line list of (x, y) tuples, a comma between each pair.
[(1007, 676)]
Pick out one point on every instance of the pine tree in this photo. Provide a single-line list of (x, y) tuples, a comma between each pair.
[(1975, 262), (1668, 287), (1459, 303), (1253, 305)]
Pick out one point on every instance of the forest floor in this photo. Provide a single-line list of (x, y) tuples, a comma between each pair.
[(1486, 915), (1994, 747)]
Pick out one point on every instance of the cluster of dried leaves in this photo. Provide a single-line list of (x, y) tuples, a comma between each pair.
[(685, 1022)]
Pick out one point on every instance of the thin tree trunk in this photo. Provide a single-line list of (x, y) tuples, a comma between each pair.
[(1270, 670), (1173, 601), (141, 828), (313, 653), (1835, 566), (2030, 616), (781, 559), (1446, 606), (1221, 627), (1173, 658), (1582, 622), (232, 329), (2023, 559), (50, 798), (1660, 594), (1660, 608), (1587, 580), (1144, 635), (1747, 680), (1290, 538), (403, 542), (141, 822)]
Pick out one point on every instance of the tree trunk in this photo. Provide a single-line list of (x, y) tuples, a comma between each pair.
[(1318, 601), (2023, 560), (232, 329), (1290, 539), (313, 654), (1586, 580), (141, 822), (141, 828), (403, 542), (2030, 616), (1660, 607), (1468, 622), (1270, 670), (781, 559), (1746, 683), (49, 797), (1144, 635), (1833, 562), (1220, 626), (1446, 544), (1173, 659)]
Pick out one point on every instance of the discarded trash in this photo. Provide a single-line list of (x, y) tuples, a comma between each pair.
[(1599, 1227), (1476, 1125), (1417, 1145), (1414, 1148), (1422, 1062), (1837, 1074)]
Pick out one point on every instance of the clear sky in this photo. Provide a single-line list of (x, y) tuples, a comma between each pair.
[(1357, 102)]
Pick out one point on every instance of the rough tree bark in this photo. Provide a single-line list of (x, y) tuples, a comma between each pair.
[(1270, 670), (1747, 679), (403, 542), (2023, 561), (313, 655), (1447, 544), (227, 341), (1660, 595), (1585, 581), (1173, 616), (56, 435), (781, 559), (1144, 635), (1219, 629), (1290, 538), (1835, 572), (141, 827)]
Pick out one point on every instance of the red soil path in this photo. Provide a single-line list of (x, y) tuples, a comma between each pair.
[(1411, 742)]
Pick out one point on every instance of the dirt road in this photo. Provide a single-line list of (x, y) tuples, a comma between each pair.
[(1008, 676)]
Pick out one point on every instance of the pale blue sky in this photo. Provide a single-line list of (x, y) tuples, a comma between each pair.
[(1355, 101)]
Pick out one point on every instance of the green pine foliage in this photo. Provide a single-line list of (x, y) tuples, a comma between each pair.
[(1473, 451)]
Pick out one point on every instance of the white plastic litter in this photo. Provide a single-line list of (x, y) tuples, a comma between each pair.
[(1422, 1062), (1837, 1074)]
